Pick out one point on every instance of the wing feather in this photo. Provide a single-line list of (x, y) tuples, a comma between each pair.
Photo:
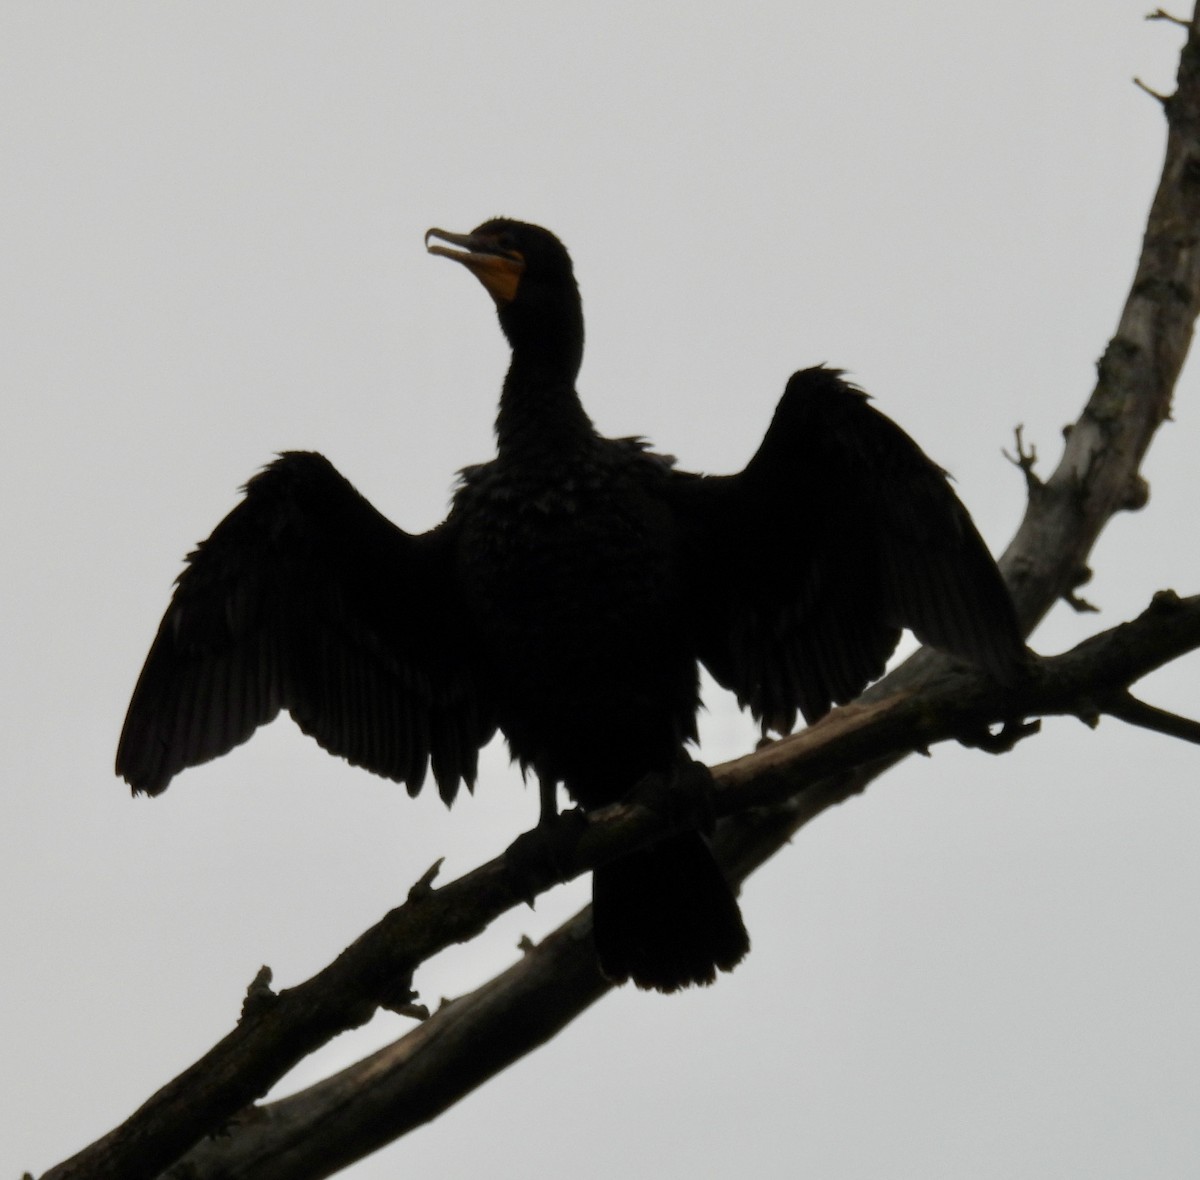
[(305, 598), (838, 534)]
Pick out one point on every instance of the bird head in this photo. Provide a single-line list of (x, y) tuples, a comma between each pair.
[(527, 272)]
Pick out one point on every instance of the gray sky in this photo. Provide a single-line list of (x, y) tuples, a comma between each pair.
[(211, 232)]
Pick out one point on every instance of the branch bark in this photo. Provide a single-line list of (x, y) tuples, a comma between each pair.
[(767, 796), (772, 792)]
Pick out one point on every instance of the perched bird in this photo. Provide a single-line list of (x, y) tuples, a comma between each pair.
[(568, 599)]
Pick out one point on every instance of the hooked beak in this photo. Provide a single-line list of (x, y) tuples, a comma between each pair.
[(498, 269)]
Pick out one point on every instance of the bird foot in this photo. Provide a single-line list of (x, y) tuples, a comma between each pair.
[(999, 741), (545, 855)]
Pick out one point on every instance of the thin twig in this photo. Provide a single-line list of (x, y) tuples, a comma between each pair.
[(1159, 14), (1163, 99), (1126, 707)]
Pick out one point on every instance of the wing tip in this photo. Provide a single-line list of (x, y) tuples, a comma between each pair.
[(142, 782)]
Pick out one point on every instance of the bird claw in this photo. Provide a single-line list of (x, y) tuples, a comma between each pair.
[(546, 854), (1000, 741)]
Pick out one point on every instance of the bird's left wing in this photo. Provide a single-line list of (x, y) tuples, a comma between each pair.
[(840, 532), (306, 598)]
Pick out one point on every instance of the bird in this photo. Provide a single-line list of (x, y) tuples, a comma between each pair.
[(569, 600)]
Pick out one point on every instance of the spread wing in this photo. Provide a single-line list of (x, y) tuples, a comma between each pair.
[(305, 598), (838, 534)]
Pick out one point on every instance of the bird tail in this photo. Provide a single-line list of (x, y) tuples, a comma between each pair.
[(665, 916)]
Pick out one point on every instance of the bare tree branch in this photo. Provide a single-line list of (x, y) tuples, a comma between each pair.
[(330, 1125), (1134, 712), (1160, 14), (769, 795), (773, 792)]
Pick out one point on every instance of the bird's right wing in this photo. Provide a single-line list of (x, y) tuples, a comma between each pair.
[(306, 598)]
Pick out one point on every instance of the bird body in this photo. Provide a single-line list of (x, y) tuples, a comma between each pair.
[(570, 579), (568, 599)]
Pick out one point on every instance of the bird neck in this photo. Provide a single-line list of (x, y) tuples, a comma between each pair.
[(540, 411)]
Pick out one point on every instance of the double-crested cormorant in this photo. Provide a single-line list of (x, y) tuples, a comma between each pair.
[(568, 599)]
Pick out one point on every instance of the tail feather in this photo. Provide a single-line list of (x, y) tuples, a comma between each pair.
[(665, 916)]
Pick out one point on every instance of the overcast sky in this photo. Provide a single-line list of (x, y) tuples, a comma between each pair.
[(211, 230)]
